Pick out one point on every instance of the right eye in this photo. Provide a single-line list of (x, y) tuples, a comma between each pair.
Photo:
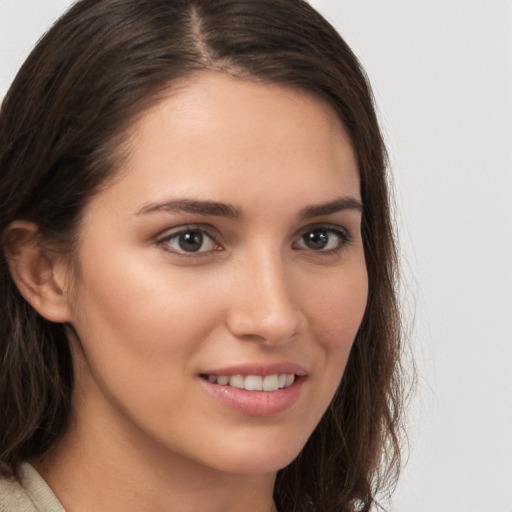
[(189, 241)]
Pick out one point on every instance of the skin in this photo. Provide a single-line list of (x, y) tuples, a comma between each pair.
[(148, 318)]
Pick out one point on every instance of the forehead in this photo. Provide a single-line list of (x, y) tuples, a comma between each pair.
[(221, 136)]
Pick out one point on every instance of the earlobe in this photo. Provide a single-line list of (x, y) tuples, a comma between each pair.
[(38, 273)]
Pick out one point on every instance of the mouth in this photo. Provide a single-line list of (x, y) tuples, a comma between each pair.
[(273, 382)]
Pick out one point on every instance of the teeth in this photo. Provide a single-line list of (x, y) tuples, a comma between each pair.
[(271, 383), (254, 382), (236, 381)]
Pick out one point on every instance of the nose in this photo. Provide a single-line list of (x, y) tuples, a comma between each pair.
[(264, 305)]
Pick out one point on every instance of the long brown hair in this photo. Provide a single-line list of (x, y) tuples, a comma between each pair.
[(61, 136)]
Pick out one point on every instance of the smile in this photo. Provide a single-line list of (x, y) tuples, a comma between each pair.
[(254, 382)]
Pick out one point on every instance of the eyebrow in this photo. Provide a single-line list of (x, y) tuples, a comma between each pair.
[(194, 206), (227, 210), (337, 205)]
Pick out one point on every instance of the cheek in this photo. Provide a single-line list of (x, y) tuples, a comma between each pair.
[(145, 310), (337, 309), (139, 334), (336, 312)]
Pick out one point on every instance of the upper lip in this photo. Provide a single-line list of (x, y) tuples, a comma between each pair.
[(262, 369)]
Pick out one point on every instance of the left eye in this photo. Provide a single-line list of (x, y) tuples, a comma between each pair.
[(323, 239), (190, 241)]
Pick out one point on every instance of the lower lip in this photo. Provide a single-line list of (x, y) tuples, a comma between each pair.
[(256, 403)]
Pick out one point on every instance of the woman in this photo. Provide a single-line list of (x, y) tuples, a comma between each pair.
[(198, 269)]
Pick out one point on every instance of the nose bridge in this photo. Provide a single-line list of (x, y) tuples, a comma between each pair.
[(264, 305)]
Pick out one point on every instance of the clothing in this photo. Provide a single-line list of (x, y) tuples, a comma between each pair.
[(31, 495)]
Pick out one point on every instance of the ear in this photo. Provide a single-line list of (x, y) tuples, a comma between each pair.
[(39, 274)]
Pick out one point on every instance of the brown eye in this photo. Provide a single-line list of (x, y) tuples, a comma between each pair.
[(316, 240), (323, 239), (189, 241)]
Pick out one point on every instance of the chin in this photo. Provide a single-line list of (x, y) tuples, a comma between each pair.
[(259, 457)]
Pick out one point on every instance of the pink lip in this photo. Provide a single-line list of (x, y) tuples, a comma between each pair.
[(255, 403)]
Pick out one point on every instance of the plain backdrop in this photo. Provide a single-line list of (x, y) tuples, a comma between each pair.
[(441, 71)]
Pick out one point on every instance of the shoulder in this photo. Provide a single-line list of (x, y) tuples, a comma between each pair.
[(13, 497), (31, 494)]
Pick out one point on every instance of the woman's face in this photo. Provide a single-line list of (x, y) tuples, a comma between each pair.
[(225, 255)]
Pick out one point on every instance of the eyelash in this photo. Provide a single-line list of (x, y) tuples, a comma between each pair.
[(344, 239)]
